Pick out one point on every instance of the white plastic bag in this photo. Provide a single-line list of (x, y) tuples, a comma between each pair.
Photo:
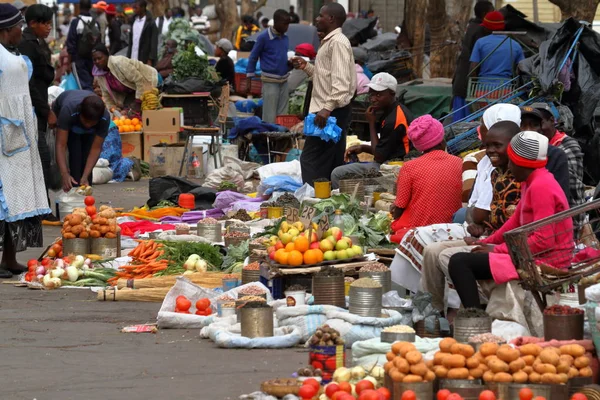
[(305, 192), (509, 330), (101, 175), (372, 351), (592, 293), (67, 201), (290, 168), (353, 327), (306, 318)]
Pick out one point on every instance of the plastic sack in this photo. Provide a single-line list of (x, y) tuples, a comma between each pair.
[(69, 82), (74, 198), (227, 338), (509, 330), (383, 42), (306, 318), (366, 353), (53, 93), (278, 183), (305, 192), (101, 173), (291, 169), (392, 299), (354, 328), (331, 132), (592, 293)]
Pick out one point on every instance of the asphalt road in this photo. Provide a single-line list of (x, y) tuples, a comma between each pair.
[(64, 344)]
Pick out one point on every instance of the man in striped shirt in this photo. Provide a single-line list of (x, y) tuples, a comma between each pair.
[(334, 85)]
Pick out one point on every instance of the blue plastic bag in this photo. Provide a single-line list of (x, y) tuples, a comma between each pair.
[(278, 183), (68, 82), (330, 132)]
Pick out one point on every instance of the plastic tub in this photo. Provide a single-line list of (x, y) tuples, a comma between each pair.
[(322, 190), (295, 297), (275, 212), (229, 284), (187, 200)]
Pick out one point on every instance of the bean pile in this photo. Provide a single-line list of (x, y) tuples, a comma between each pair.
[(285, 200), (230, 276), (208, 221), (486, 338), (251, 291), (399, 329), (255, 304), (365, 283), (471, 313), (329, 271), (254, 266), (242, 215), (236, 234), (374, 267), (253, 298)]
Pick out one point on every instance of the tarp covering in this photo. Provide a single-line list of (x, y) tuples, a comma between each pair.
[(427, 96), (358, 30)]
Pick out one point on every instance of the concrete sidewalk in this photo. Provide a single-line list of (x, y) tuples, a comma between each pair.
[(64, 344)]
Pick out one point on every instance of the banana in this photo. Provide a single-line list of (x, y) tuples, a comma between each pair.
[(285, 226), (298, 225)]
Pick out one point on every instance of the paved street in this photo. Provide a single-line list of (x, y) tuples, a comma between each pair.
[(64, 344)]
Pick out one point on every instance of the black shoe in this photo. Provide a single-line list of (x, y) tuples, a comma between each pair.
[(17, 269), (4, 274), (50, 218)]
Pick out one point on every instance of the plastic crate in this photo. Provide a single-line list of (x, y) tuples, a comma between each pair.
[(195, 109), (288, 121), (240, 85), (275, 286)]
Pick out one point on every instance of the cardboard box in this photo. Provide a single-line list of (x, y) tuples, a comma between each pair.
[(167, 120), (132, 145), (152, 139), (166, 159)]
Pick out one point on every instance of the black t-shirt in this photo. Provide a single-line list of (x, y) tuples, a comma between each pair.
[(226, 69), (67, 110), (393, 139)]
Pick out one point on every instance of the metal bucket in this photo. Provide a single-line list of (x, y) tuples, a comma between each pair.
[(257, 322), (76, 246), (234, 240), (329, 290), (365, 302), (467, 389), (349, 185), (210, 232), (383, 278), (423, 390), (563, 327), (464, 328), (393, 337), (510, 391), (421, 332), (106, 248), (577, 383), (250, 276)]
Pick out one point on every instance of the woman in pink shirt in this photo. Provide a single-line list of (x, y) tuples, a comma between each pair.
[(541, 197)]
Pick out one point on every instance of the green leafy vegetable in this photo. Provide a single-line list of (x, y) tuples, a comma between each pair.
[(178, 252), (187, 63), (235, 254)]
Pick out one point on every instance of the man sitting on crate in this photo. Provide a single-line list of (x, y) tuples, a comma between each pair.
[(388, 135), (494, 57)]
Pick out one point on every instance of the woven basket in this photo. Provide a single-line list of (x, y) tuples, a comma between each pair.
[(349, 185)]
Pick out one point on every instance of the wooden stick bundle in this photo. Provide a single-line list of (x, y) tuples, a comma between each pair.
[(156, 295), (208, 280)]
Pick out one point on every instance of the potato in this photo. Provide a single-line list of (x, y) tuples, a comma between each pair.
[(110, 235), (484, 367), (574, 350), (419, 369), (429, 364), (507, 353), (528, 369), (563, 367), (472, 363), (454, 361), (388, 366), (517, 365), (77, 229), (462, 349), (439, 357), (549, 356), (545, 369), (390, 356), (550, 378), (520, 377), (573, 372), (497, 366), (402, 365), (412, 379), (69, 235), (534, 377), (414, 357), (490, 358), (67, 229), (585, 372), (406, 348), (441, 372), (528, 359), (396, 347), (429, 376), (489, 349), (581, 362), (488, 376), (446, 344), (94, 234), (84, 235), (476, 372), (76, 219), (458, 373), (103, 229), (566, 358), (396, 375), (530, 350), (503, 377), (479, 356), (563, 378)]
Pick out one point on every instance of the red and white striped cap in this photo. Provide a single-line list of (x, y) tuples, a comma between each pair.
[(529, 149)]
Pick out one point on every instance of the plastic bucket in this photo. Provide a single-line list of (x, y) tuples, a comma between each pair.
[(376, 196), (322, 190), (187, 200), (229, 284), (295, 298), (274, 212)]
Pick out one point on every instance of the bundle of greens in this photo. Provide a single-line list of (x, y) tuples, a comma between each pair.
[(178, 253), (233, 261), (187, 63)]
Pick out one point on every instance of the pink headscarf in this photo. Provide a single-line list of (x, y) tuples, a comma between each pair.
[(426, 132)]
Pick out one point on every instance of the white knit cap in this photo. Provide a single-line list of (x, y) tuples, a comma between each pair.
[(501, 112)]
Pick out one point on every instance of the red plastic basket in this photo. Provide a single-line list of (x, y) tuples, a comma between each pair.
[(287, 121), (240, 85)]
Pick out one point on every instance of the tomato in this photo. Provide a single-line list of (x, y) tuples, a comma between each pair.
[(91, 210), (370, 394), (489, 395), (409, 395), (443, 394), (313, 382), (32, 262), (364, 385), (342, 396), (345, 387), (525, 394), (385, 393), (454, 396), (578, 396), (67, 260), (46, 261), (60, 254), (202, 304), (29, 276), (331, 363), (182, 303), (89, 201), (331, 389), (539, 398), (307, 392), (317, 365)]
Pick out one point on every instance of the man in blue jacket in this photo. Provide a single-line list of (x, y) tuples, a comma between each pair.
[(271, 48)]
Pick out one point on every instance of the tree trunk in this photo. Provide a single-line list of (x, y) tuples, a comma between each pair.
[(228, 16), (248, 7), (582, 10), (446, 29), (414, 30)]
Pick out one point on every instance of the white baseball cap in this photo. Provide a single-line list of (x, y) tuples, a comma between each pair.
[(383, 81)]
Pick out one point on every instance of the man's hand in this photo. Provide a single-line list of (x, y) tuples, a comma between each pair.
[(370, 115), (51, 119), (470, 241), (68, 182), (476, 230), (299, 62), (321, 118), (351, 150), (483, 248)]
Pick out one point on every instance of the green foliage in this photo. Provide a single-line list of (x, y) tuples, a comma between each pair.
[(187, 63)]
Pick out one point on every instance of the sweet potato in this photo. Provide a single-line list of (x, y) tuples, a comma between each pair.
[(520, 377), (489, 349), (419, 369), (575, 350), (530, 350), (458, 373), (497, 366)]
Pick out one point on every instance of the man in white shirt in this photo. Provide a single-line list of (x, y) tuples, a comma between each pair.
[(163, 23), (143, 38)]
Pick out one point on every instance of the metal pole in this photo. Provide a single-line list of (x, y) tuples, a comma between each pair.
[(536, 14)]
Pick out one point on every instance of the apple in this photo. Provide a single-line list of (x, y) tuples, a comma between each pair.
[(285, 238), (335, 232), (314, 245), (357, 250), (341, 254), (272, 255), (349, 252), (279, 245), (331, 239), (329, 255), (294, 232), (347, 239), (271, 249), (325, 245), (341, 245)]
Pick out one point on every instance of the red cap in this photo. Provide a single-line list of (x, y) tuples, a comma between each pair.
[(111, 9), (494, 21)]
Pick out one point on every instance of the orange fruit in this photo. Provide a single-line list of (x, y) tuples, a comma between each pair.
[(127, 121), (121, 130), (135, 121), (310, 257), (278, 255), (319, 255), (301, 244), (295, 258), (290, 247), (284, 258), (138, 128)]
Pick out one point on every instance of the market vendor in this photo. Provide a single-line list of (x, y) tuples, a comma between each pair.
[(429, 187), (122, 80), (83, 122), (388, 134), (165, 65), (541, 197)]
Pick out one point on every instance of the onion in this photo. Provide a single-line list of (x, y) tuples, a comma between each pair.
[(40, 270), (59, 263), (87, 262)]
